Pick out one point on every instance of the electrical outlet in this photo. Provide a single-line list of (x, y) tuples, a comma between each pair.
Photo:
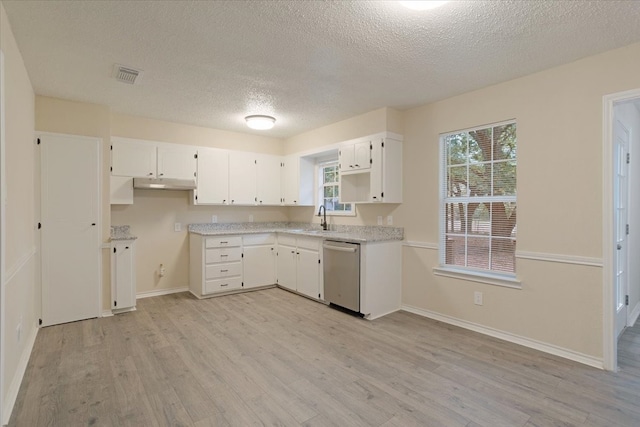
[(379, 219), (389, 220), (250, 218), (214, 219), (477, 298), (177, 227)]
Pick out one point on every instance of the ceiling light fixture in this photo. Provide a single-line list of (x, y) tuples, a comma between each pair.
[(260, 122), (422, 5)]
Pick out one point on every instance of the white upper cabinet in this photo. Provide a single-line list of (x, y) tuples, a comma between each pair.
[(148, 159), (133, 158), (213, 177), (382, 181), (268, 170), (242, 178), (298, 181), (355, 156), (176, 161)]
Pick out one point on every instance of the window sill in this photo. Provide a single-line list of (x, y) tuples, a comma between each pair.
[(489, 279)]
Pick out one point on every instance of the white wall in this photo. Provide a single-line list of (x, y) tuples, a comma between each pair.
[(21, 280), (629, 115), (559, 119)]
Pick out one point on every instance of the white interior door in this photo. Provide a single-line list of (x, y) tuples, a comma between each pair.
[(621, 197), (70, 168)]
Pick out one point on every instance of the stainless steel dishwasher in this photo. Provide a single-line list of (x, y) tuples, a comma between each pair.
[(342, 274)]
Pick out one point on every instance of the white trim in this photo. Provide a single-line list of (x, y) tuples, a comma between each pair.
[(107, 313), (479, 277), (19, 265), (633, 315), (148, 294), (609, 337), (106, 245), (3, 193), (422, 245), (14, 387), (564, 259), (509, 337)]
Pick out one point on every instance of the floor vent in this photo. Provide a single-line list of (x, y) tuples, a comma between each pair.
[(126, 74)]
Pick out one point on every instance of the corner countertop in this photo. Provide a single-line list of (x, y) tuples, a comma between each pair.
[(349, 233), (121, 232)]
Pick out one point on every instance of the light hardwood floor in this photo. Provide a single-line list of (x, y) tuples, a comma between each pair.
[(273, 358)]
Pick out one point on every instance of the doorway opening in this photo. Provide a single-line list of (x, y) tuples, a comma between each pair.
[(621, 218)]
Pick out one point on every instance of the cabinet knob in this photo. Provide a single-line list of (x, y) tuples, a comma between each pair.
[(126, 247), (93, 224), (150, 173), (357, 165)]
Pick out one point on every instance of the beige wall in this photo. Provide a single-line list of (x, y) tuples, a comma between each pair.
[(20, 256), (559, 118)]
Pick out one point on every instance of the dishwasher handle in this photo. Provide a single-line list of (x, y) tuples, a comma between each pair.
[(339, 248)]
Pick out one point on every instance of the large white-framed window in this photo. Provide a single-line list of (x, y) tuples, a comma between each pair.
[(478, 200), (328, 191)]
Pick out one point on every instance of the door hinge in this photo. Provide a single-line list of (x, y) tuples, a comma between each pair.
[(114, 250), (318, 296), (242, 255), (626, 300), (370, 146), (110, 168), (370, 161), (39, 225), (255, 162), (111, 147), (38, 141), (628, 158), (195, 156), (383, 143), (196, 197), (318, 261), (627, 228), (115, 303), (382, 194), (243, 284), (39, 321)]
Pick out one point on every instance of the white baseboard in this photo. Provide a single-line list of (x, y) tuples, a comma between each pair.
[(14, 387), (107, 313), (507, 336), (148, 294), (633, 316)]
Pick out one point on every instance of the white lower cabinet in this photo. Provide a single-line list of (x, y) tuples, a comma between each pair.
[(299, 265), (259, 260), (123, 275), (215, 264)]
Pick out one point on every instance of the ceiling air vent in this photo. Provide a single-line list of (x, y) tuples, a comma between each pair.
[(126, 74)]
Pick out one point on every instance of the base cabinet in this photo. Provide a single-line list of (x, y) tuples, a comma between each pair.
[(123, 275), (215, 264), (259, 260), (300, 265)]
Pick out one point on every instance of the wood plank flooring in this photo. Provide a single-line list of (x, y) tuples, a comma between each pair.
[(274, 358)]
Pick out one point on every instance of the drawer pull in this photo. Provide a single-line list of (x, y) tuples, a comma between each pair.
[(223, 243), (223, 271), (226, 284), (223, 255)]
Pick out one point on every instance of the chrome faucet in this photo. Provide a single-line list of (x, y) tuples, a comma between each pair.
[(323, 222)]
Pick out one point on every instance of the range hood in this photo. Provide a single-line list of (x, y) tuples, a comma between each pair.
[(164, 184)]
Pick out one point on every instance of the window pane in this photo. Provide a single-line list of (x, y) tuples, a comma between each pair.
[(503, 254), (329, 191), (480, 220), (503, 219), (457, 181), (504, 178), (480, 179), (478, 252), (480, 145), (456, 146), (455, 251), (329, 175), (504, 142), (456, 215)]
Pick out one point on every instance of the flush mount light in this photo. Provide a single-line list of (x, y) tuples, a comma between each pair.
[(260, 122), (422, 5)]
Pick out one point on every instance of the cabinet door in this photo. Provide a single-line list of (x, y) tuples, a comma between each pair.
[(259, 266), (124, 291), (362, 155), (133, 158), (308, 272), (242, 178), (175, 161), (290, 183), (287, 266), (346, 158), (268, 179), (377, 188), (213, 177)]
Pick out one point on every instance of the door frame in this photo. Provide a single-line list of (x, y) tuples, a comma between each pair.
[(609, 337), (2, 231)]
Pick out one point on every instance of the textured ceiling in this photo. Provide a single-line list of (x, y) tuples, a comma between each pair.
[(308, 63)]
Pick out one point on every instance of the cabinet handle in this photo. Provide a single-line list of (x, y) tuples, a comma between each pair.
[(350, 166), (161, 174), (224, 200), (126, 247), (223, 243), (222, 256), (223, 271), (357, 165), (150, 173), (293, 252), (93, 224), (226, 284)]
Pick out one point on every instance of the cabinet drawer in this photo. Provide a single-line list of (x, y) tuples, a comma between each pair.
[(222, 241), (223, 255), (312, 243), (216, 271), (259, 239), (222, 285)]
